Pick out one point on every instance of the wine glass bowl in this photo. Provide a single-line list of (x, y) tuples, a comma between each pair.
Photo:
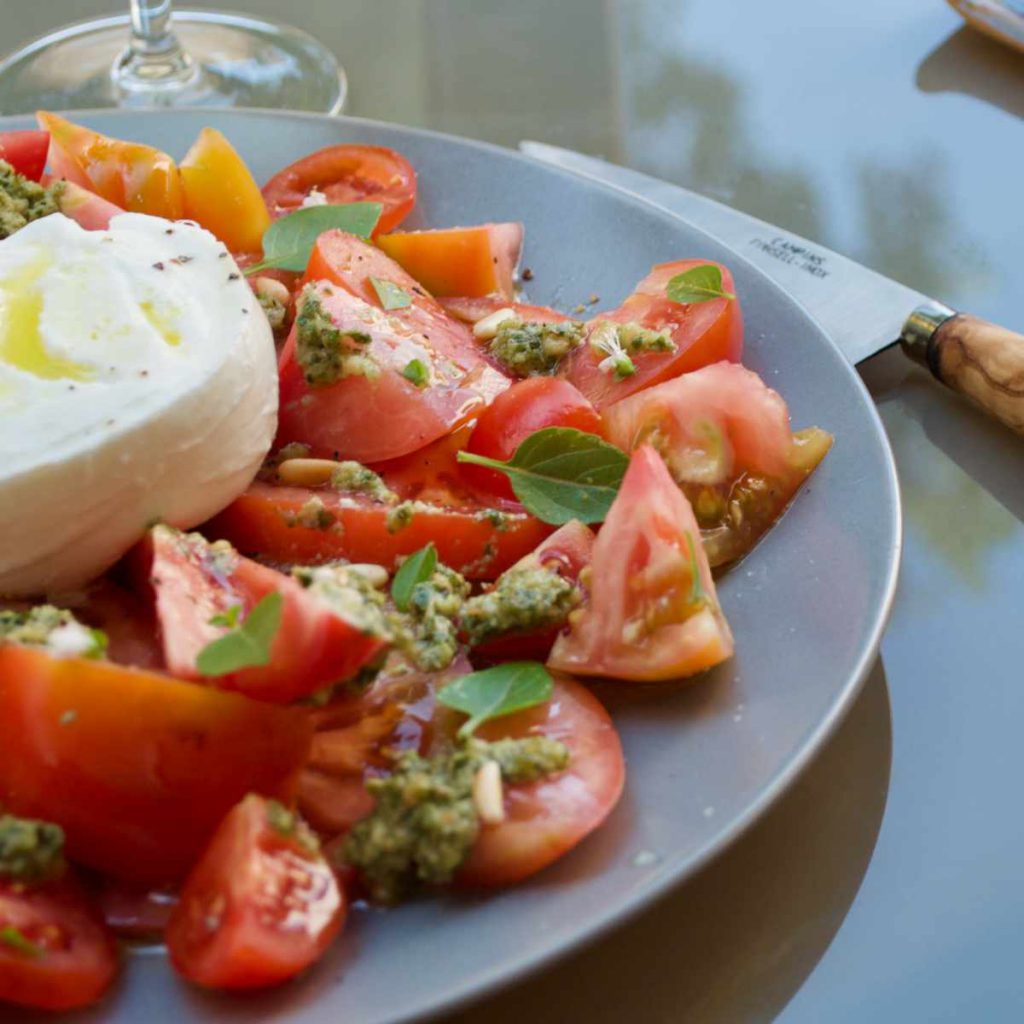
[(208, 58)]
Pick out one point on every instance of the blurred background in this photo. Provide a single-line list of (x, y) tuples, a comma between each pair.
[(882, 128)]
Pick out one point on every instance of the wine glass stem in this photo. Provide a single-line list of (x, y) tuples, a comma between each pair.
[(154, 59)]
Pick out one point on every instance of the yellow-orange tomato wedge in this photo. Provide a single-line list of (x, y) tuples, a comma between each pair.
[(221, 194), (135, 177), (474, 261)]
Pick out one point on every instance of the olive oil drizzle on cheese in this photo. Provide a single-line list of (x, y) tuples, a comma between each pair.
[(21, 341)]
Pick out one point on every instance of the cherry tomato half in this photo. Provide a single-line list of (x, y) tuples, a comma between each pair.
[(260, 906), (57, 954), (346, 174)]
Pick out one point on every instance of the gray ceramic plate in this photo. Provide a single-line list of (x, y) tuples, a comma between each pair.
[(807, 606)]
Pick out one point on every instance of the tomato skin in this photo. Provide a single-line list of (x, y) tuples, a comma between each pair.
[(221, 195), (312, 648), (704, 333), (257, 909), (345, 174), (25, 151), (640, 622), (79, 959), (473, 261), (721, 430), (147, 765), (262, 522), (526, 407), (135, 177)]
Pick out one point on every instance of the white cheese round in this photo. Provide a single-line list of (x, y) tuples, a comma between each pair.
[(138, 383)]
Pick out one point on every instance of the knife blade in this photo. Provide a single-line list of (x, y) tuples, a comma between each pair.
[(861, 310)]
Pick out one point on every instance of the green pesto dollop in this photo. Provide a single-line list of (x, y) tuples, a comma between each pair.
[(30, 851), (522, 600), (401, 516), (23, 200), (424, 822), (326, 353), (314, 515), (355, 478), (528, 350), (350, 593), (55, 629), (427, 633), (618, 342)]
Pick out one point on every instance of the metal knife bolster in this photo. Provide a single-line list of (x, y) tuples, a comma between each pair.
[(919, 330)]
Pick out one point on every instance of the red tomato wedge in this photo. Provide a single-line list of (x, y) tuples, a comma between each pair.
[(526, 407), (266, 520), (381, 417), (704, 333), (133, 176), (137, 768), (314, 646), (473, 261), (25, 151), (346, 174), (68, 958), (544, 820), (351, 263), (470, 309), (652, 612), (547, 818), (568, 552), (726, 439), (260, 906)]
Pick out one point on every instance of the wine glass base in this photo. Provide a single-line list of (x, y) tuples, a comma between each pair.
[(233, 61)]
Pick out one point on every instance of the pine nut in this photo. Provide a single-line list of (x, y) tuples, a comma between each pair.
[(306, 472), (488, 793), (272, 289), (487, 328)]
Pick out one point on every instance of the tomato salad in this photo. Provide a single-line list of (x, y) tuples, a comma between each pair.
[(365, 677)]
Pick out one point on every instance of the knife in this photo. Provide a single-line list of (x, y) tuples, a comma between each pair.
[(862, 311)]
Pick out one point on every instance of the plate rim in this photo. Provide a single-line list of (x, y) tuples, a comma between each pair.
[(615, 915)]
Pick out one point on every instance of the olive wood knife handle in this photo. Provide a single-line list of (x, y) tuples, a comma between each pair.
[(979, 360)]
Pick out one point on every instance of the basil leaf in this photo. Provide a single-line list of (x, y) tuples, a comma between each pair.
[(390, 295), (416, 372), (698, 284), (247, 644), (419, 566), (560, 474), (289, 241), (498, 691)]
